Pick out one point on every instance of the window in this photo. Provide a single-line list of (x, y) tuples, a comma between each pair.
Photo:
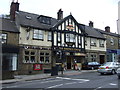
[(70, 38), (49, 36), (93, 42), (119, 42), (3, 38), (29, 56), (85, 41), (44, 57), (79, 41), (38, 34), (101, 43), (112, 41), (93, 57)]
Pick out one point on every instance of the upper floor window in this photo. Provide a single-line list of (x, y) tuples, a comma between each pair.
[(38, 34), (3, 38), (101, 43), (93, 42), (49, 36), (70, 38), (112, 41), (119, 42)]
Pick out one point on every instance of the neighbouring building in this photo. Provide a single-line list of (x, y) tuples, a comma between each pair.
[(95, 45), (111, 44), (9, 38)]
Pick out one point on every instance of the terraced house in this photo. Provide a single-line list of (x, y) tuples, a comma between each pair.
[(112, 44), (9, 35), (45, 41), (95, 45)]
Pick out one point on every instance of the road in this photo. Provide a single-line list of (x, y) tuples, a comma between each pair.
[(81, 80)]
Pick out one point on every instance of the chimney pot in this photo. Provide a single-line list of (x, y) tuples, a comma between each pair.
[(91, 24), (13, 8), (60, 14), (107, 29)]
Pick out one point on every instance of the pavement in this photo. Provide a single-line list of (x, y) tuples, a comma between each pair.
[(18, 78)]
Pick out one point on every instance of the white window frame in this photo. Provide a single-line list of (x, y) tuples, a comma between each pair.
[(3, 38), (49, 36), (38, 34)]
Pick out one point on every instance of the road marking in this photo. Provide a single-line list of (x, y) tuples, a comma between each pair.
[(112, 84), (55, 86), (50, 81), (73, 79), (70, 83)]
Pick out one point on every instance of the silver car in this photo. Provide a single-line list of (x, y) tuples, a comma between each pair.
[(118, 73), (108, 67)]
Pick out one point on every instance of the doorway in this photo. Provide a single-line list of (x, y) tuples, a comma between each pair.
[(69, 62), (102, 59)]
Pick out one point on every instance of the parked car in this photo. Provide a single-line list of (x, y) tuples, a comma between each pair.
[(108, 67), (90, 65), (118, 72)]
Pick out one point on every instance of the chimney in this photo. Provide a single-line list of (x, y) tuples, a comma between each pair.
[(60, 14), (107, 29), (91, 24), (13, 8)]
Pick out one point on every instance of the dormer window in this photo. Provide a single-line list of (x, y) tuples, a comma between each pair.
[(45, 20), (28, 17)]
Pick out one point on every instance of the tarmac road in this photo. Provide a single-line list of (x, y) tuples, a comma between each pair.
[(89, 80)]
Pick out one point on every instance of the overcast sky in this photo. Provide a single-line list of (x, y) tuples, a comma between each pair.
[(101, 12)]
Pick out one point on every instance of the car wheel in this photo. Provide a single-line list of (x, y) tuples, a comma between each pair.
[(113, 72), (92, 68), (102, 73), (118, 77)]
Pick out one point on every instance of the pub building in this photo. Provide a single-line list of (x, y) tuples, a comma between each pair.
[(45, 42), (68, 42)]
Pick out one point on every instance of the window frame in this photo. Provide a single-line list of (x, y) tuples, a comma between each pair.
[(5, 40), (49, 36), (38, 34)]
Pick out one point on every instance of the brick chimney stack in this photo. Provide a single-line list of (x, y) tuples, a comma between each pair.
[(60, 14), (13, 8), (107, 29), (91, 24)]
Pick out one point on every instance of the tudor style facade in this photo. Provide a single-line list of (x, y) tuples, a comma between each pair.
[(68, 43)]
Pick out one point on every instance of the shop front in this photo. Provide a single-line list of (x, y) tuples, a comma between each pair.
[(72, 58)]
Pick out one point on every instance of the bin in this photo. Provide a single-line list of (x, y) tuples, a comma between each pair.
[(54, 71)]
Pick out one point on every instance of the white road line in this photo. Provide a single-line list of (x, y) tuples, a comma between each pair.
[(50, 81), (70, 83), (73, 79), (55, 86), (112, 84)]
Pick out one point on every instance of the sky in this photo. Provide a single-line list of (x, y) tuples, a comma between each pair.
[(102, 12)]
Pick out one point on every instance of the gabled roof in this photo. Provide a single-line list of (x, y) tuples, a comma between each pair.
[(31, 20), (68, 17), (8, 25), (92, 32)]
